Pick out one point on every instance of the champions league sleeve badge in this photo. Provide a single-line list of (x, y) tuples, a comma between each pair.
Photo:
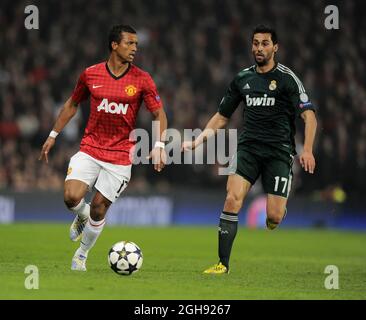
[(304, 97), (305, 103)]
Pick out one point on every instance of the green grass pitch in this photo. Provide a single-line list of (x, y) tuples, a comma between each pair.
[(280, 264)]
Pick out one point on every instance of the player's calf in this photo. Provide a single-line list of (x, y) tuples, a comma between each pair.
[(99, 210)]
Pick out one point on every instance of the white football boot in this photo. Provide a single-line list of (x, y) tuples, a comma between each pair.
[(78, 262), (77, 227)]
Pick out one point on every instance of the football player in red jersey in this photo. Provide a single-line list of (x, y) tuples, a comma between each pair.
[(116, 89)]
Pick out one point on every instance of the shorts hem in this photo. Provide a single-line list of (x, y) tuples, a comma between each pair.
[(271, 193), (105, 196), (250, 180), (78, 179)]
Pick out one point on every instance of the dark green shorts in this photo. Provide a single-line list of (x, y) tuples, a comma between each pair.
[(274, 166)]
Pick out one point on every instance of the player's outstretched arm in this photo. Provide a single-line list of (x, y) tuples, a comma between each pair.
[(67, 112), (218, 121), (158, 154), (307, 159)]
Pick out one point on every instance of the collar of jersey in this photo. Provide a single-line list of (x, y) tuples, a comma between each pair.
[(119, 77), (273, 69)]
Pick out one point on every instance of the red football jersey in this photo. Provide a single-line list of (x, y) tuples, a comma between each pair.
[(114, 104)]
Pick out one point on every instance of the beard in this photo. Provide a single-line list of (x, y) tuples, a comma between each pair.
[(262, 62)]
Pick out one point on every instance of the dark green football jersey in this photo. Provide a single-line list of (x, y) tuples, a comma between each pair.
[(272, 101)]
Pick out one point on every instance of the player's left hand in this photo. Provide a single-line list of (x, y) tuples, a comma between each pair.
[(158, 156), (307, 161)]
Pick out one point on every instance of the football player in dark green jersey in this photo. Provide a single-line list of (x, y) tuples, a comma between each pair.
[(272, 96)]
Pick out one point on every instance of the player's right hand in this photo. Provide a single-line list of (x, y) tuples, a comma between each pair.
[(307, 161), (46, 148), (188, 145)]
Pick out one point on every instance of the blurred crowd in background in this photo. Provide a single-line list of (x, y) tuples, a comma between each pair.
[(192, 49)]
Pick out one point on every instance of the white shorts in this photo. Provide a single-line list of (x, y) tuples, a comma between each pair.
[(108, 178)]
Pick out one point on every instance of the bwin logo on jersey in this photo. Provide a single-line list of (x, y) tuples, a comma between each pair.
[(260, 101), (113, 107)]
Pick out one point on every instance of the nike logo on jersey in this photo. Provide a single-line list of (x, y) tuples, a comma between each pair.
[(95, 87), (247, 86), (260, 101), (113, 107)]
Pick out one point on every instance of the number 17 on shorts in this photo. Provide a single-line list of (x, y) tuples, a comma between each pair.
[(282, 185)]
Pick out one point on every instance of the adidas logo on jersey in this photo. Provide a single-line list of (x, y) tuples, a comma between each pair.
[(260, 101), (113, 107)]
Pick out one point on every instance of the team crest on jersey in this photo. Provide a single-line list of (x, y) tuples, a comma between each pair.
[(130, 90), (273, 85), (69, 170)]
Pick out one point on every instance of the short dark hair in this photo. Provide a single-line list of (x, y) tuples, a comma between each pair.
[(262, 28), (115, 35)]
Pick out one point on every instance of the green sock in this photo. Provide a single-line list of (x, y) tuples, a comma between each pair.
[(227, 231)]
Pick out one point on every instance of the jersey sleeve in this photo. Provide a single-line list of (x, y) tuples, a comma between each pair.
[(230, 101), (298, 96), (150, 95), (81, 91)]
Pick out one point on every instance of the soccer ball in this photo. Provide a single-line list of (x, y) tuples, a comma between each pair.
[(125, 258)]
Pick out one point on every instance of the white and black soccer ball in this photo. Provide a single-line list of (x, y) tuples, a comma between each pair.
[(125, 257)]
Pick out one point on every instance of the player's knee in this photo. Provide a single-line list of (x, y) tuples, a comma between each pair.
[(274, 216), (232, 203), (70, 199)]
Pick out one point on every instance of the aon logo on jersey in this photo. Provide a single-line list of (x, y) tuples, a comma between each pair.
[(113, 107), (260, 101)]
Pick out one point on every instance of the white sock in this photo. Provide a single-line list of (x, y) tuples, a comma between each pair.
[(82, 209), (90, 235), (81, 252)]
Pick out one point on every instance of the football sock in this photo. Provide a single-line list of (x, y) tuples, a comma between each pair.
[(81, 252), (227, 231), (82, 209), (90, 235)]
